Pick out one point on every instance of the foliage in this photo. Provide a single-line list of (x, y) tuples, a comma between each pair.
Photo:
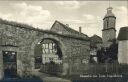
[(108, 55)]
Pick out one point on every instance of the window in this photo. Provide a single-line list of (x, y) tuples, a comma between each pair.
[(107, 23)]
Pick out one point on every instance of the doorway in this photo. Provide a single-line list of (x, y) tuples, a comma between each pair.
[(10, 64)]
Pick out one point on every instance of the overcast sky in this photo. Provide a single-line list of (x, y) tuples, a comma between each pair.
[(87, 14)]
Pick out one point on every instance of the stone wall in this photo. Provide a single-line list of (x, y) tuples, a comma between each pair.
[(23, 39)]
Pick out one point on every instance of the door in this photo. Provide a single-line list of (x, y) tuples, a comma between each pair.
[(10, 64)]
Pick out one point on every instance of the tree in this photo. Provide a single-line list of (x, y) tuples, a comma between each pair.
[(108, 55), (113, 50)]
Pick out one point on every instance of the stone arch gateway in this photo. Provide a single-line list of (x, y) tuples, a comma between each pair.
[(58, 42), (21, 39)]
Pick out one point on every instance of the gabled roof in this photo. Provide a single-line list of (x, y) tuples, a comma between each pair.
[(96, 39), (67, 28), (123, 33)]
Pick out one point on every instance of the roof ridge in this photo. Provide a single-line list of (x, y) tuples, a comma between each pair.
[(67, 27)]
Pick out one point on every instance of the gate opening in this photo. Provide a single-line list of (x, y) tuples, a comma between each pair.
[(10, 64), (48, 57)]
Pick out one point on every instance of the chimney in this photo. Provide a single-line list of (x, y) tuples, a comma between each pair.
[(67, 25), (79, 29)]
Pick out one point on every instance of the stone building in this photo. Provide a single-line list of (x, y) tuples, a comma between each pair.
[(109, 31), (102, 47), (123, 46)]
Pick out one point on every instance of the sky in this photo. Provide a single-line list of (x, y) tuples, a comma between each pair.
[(87, 14)]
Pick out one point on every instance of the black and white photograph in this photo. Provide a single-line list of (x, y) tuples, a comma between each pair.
[(63, 40)]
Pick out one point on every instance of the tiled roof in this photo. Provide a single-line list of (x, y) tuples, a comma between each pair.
[(69, 29)]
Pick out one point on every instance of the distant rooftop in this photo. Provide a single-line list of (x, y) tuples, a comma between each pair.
[(96, 39), (66, 26), (123, 33)]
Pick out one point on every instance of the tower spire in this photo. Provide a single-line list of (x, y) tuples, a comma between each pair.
[(109, 12), (109, 31), (109, 3), (109, 9)]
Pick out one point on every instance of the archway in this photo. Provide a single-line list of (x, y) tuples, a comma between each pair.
[(49, 56)]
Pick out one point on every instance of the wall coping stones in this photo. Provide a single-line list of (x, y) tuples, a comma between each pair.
[(21, 25)]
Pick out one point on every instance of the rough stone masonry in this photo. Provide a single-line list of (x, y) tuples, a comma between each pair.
[(22, 39)]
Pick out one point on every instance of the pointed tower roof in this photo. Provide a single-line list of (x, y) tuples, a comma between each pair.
[(109, 13)]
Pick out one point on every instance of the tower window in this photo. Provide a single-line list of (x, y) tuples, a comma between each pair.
[(107, 23)]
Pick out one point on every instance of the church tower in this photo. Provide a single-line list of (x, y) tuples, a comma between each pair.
[(108, 31)]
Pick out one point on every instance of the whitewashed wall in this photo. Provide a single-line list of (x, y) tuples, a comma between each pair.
[(123, 52)]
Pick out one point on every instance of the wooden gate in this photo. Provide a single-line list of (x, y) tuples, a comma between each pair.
[(53, 69)]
